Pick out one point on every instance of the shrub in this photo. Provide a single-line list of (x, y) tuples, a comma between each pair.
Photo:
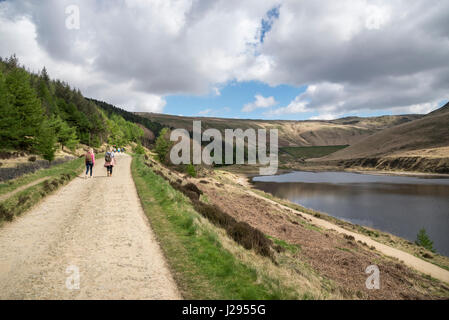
[(55, 183), (47, 186), (244, 234), (23, 199), (5, 214), (139, 149), (190, 169), (423, 240), (32, 159), (215, 214), (250, 238)]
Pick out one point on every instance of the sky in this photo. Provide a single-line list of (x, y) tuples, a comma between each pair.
[(263, 59)]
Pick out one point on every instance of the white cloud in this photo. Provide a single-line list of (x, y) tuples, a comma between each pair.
[(21, 35), (362, 55), (260, 103), (358, 55), (135, 52), (417, 108), (205, 112), (327, 116)]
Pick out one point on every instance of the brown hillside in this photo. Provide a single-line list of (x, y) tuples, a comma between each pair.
[(345, 131), (431, 131)]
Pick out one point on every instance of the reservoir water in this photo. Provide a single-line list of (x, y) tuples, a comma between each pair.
[(396, 204)]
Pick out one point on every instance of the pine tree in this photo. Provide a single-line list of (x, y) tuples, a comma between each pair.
[(27, 115), (46, 142), (12, 62), (423, 240), (45, 76), (7, 116), (46, 97), (65, 134), (163, 145)]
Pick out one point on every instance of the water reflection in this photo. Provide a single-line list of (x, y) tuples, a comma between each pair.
[(399, 205)]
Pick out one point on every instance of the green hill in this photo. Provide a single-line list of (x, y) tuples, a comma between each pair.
[(39, 115)]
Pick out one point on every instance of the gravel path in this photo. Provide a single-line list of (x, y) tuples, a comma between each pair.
[(94, 228)]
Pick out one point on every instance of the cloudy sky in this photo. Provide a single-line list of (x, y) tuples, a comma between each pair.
[(273, 59)]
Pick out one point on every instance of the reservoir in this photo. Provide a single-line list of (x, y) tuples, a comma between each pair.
[(400, 205)]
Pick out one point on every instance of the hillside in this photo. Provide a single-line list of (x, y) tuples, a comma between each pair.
[(420, 145), (431, 131), (345, 131), (151, 128), (441, 110), (40, 115)]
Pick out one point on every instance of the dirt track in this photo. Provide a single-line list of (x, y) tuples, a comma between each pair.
[(96, 226), (410, 260)]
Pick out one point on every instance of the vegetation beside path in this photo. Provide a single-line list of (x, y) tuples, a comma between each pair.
[(376, 235), (52, 179), (206, 263)]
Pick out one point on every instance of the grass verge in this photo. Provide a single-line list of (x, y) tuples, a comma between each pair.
[(206, 264), (377, 235), (21, 201), (11, 185)]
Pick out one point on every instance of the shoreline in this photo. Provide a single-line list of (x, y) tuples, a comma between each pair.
[(405, 245), (250, 171)]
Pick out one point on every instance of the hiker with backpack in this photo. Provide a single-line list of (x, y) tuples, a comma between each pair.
[(90, 161), (109, 161)]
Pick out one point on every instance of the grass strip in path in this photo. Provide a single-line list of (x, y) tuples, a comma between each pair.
[(11, 185), (30, 189)]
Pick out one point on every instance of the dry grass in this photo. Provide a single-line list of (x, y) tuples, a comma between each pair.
[(322, 262), (294, 133), (428, 132), (241, 232), (207, 263)]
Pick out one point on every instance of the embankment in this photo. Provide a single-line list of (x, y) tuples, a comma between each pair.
[(410, 163)]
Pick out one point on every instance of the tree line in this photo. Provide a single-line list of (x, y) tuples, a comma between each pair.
[(39, 115), (155, 127)]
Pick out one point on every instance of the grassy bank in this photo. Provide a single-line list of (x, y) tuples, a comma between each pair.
[(47, 181), (11, 185), (377, 235), (311, 152), (205, 262)]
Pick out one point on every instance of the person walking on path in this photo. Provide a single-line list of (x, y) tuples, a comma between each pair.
[(90, 161), (109, 161)]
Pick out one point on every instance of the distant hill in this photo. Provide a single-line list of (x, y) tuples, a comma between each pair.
[(345, 131), (431, 131)]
